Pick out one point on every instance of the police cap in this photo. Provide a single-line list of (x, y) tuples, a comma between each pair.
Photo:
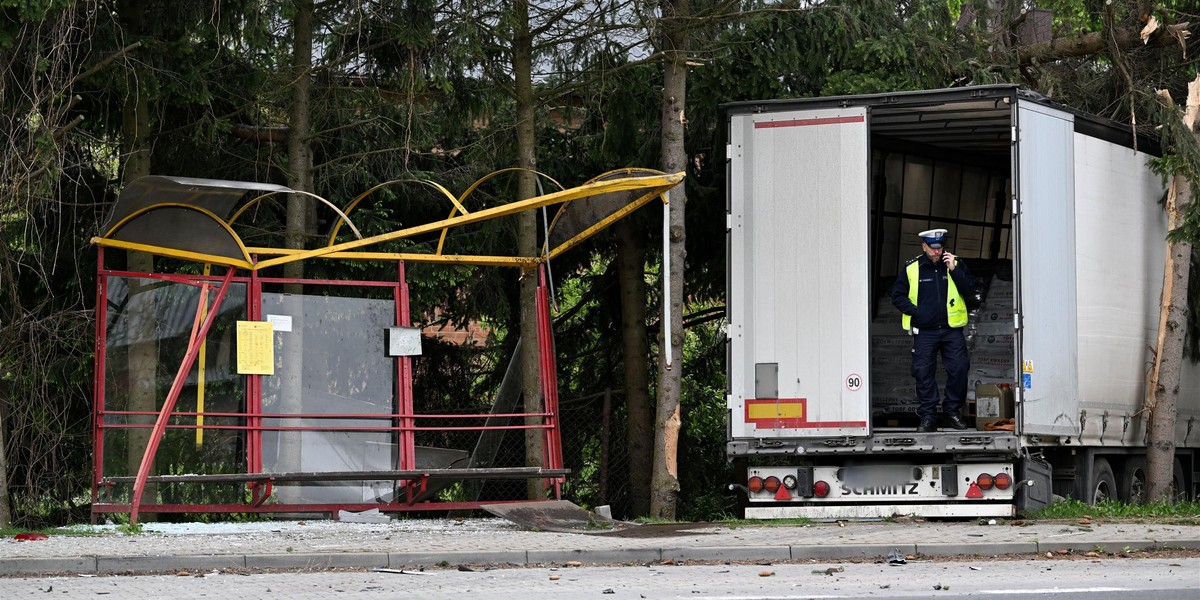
[(936, 238)]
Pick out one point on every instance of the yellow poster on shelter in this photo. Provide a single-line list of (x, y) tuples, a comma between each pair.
[(255, 348)]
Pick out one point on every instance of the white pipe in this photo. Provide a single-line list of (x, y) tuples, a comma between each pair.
[(666, 277)]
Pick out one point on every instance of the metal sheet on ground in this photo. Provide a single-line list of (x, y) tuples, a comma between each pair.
[(556, 515)]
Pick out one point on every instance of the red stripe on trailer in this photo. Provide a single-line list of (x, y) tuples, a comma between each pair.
[(807, 122)]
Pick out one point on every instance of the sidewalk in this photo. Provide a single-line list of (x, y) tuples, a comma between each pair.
[(414, 543)]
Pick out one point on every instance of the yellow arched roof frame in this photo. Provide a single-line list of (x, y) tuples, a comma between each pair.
[(191, 194), (354, 203)]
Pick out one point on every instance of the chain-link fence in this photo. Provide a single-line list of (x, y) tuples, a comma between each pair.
[(596, 451)]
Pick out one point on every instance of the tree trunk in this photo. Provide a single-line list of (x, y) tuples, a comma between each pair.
[(299, 177), (527, 238), (299, 144), (142, 373), (1162, 386), (631, 275), (665, 482)]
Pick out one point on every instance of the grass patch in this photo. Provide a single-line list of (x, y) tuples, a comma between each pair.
[(131, 528), (9, 532), (1112, 509), (653, 521), (733, 523), (594, 524)]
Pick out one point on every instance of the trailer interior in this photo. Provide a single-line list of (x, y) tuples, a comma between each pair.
[(941, 164)]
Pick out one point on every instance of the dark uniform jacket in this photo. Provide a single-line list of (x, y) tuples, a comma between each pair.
[(931, 314)]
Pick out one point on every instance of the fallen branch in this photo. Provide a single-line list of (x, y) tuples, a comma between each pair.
[(1094, 42)]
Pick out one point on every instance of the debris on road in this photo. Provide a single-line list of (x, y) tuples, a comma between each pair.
[(367, 516)]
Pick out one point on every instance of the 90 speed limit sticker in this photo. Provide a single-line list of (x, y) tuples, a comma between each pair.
[(854, 382)]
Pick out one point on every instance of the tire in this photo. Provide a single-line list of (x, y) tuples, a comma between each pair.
[(1131, 486), (1104, 484), (1179, 490)]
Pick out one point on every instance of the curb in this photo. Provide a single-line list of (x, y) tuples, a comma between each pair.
[(119, 565)]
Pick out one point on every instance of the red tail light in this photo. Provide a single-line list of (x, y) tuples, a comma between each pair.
[(984, 481), (755, 484), (772, 484), (821, 489), (1003, 481)]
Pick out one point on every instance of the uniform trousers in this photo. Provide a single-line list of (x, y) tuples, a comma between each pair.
[(927, 345)]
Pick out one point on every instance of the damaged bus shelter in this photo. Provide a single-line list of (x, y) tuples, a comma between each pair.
[(220, 389)]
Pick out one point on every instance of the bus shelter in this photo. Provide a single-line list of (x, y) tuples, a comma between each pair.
[(222, 389)]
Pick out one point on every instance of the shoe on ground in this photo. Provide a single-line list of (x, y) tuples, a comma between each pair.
[(927, 427), (955, 422)]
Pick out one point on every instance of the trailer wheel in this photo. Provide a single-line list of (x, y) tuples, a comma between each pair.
[(1132, 483), (1179, 490), (1104, 484)]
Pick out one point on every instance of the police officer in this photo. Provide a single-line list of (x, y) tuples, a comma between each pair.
[(930, 293)]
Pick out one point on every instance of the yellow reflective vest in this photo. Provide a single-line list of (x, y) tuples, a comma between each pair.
[(956, 308)]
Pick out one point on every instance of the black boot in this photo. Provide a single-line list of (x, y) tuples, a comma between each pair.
[(927, 427), (954, 421)]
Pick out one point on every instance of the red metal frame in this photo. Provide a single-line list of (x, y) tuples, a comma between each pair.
[(254, 386), (98, 377), (406, 458), (403, 422), (199, 331), (552, 446)]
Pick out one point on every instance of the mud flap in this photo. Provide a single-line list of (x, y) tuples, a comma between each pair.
[(1034, 487)]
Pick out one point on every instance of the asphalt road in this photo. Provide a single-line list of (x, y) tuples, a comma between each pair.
[(1066, 579)]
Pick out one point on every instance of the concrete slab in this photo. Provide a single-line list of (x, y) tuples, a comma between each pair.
[(728, 553), (595, 557), (317, 561), (397, 560), (33, 566), (976, 548), (561, 516), (879, 551), (1178, 544), (147, 564), (367, 516), (1108, 545)]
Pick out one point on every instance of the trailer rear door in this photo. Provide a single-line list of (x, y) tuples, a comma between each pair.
[(1049, 366), (798, 273)]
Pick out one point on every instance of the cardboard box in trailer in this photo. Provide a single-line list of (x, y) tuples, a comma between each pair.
[(1057, 215)]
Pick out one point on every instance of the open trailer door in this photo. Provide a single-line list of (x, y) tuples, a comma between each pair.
[(799, 273), (1049, 352)]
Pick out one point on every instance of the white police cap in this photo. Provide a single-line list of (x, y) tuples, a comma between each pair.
[(936, 238)]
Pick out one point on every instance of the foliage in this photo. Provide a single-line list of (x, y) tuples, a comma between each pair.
[(1113, 509), (422, 90), (49, 205), (1181, 157)]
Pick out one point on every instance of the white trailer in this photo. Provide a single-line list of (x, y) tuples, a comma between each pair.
[(1056, 212)]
